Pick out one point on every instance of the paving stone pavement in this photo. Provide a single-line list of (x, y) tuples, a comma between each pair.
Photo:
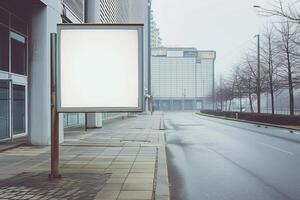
[(123, 153), (35, 186)]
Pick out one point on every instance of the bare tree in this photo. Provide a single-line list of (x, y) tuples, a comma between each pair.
[(287, 9), (239, 86), (248, 84), (270, 64), (289, 51), (225, 94), (249, 63)]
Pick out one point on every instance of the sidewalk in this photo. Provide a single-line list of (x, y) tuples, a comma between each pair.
[(6, 145), (123, 160)]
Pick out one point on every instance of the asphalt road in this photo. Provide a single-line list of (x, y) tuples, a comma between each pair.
[(215, 159)]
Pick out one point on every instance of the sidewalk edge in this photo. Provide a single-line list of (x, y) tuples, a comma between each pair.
[(162, 181)]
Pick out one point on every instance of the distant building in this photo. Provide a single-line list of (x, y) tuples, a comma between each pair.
[(182, 78)]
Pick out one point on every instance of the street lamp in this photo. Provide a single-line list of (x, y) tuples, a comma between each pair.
[(258, 73), (258, 66)]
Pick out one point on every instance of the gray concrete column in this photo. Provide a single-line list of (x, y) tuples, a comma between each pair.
[(43, 22), (92, 11), (92, 15)]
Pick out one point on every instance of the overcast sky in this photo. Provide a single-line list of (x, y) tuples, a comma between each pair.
[(226, 26)]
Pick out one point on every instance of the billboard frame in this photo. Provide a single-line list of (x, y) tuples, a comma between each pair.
[(140, 29)]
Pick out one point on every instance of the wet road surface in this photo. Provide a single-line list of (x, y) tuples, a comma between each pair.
[(215, 159)]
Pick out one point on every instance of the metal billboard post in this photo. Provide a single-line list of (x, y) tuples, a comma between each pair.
[(54, 114)]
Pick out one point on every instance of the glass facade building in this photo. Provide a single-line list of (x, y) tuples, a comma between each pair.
[(13, 74), (182, 78)]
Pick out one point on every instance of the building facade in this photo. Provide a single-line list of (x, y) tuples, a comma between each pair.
[(25, 28), (182, 78)]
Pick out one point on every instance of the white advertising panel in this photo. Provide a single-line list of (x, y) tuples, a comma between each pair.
[(100, 68)]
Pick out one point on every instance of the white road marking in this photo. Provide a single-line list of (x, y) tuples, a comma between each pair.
[(277, 148)]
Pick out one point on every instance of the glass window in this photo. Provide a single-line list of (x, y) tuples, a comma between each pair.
[(19, 109), (4, 109), (18, 53), (4, 46)]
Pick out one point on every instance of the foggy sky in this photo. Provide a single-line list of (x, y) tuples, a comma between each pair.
[(226, 26)]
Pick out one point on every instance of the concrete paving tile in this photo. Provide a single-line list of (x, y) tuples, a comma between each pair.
[(112, 186), (73, 162), (82, 170), (81, 160), (140, 170), (117, 170), (103, 159), (134, 195), (73, 165), (122, 163), (98, 163), (144, 163), (139, 180), (119, 166), (141, 175), (116, 180), (119, 175), (107, 195), (137, 187), (143, 166), (139, 159)]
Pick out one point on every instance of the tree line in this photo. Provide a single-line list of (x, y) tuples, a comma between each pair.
[(278, 58)]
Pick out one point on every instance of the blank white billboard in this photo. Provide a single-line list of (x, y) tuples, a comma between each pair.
[(100, 68)]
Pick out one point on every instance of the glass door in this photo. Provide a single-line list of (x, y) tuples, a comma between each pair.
[(19, 109), (4, 109)]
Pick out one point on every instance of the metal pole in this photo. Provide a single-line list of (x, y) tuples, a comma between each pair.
[(258, 73), (149, 47), (85, 122), (213, 88), (54, 114), (11, 126)]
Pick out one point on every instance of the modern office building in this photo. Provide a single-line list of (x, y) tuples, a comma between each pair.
[(25, 28), (182, 78)]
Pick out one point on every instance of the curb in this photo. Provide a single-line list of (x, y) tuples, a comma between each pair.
[(250, 122), (162, 181), (162, 124), (162, 191)]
